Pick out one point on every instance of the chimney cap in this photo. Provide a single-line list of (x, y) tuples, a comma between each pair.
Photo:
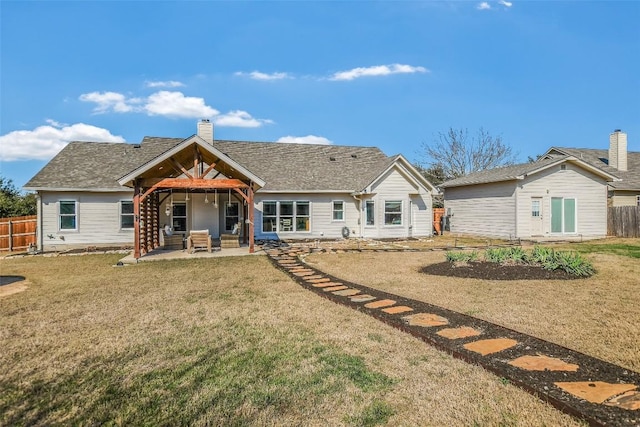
[(617, 130)]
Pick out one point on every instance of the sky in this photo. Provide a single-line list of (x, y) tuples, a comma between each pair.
[(389, 74)]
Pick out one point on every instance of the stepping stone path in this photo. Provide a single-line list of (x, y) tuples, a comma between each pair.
[(599, 392)]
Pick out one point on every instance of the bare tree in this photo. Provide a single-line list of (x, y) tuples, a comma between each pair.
[(456, 154)]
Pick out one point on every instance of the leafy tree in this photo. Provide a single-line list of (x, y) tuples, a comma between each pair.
[(13, 202), (453, 154), (435, 175)]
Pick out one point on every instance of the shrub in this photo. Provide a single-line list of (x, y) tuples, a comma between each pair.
[(574, 263)]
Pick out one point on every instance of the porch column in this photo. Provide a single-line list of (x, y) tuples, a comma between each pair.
[(251, 225), (136, 220)]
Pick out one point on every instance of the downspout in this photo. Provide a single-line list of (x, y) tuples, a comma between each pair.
[(359, 203), (39, 234)]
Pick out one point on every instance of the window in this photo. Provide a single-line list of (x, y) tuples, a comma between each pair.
[(231, 215), (286, 216), (68, 217), (535, 208), (563, 215), (638, 200), (393, 212), (302, 216), (338, 211), (126, 214), (370, 212), (179, 217), (269, 217)]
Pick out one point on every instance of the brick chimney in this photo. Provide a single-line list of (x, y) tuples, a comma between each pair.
[(618, 150), (205, 130)]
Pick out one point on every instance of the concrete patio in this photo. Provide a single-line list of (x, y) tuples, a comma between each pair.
[(164, 254)]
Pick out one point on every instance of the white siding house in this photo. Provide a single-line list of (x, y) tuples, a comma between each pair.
[(298, 191), (558, 198)]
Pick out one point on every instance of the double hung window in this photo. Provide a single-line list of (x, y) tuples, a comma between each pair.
[(68, 215), (393, 212)]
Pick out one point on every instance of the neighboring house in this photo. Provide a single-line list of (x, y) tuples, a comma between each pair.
[(617, 161), (561, 197), (113, 194)]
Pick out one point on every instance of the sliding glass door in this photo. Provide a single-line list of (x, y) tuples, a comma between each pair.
[(563, 215)]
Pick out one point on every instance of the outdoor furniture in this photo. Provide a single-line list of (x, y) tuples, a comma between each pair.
[(198, 239), (286, 224), (173, 241), (231, 240)]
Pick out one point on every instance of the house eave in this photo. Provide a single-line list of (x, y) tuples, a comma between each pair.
[(79, 189)]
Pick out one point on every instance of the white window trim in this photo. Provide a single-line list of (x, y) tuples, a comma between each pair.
[(227, 203), (344, 211), (384, 215), (366, 225), (120, 214), (76, 214), (293, 217), (575, 219)]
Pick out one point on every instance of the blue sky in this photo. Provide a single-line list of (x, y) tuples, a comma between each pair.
[(386, 74)]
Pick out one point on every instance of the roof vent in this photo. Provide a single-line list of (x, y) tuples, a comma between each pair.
[(333, 159), (137, 145), (354, 156)]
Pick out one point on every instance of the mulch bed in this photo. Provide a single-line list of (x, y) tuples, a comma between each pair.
[(496, 271)]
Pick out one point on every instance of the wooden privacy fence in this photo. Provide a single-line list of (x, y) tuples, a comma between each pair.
[(623, 221), (17, 232)]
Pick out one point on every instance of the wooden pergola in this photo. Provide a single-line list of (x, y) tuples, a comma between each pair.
[(192, 166)]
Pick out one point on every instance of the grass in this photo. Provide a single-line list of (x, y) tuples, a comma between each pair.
[(597, 315), (625, 250), (226, 341)]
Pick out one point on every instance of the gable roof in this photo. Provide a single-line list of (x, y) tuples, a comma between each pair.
[(282, 167), (521, 171), (629, 179)]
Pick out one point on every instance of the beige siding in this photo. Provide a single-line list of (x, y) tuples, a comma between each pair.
[(417, 211), (625, 198), (484, 210), (98, 220), (589, 191)]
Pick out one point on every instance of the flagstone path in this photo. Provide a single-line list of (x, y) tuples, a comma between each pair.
[(599, 392)]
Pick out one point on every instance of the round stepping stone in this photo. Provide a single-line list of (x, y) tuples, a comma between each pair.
[(543, 363), (485, 347), (629, 400), (457, 333), (426, 319), (335, 288), (381, 303), (595, 391), (362, 298), (397, 309), (347, 292)]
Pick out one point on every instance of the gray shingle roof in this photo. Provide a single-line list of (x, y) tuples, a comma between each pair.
[(505, 173), (630, 179), (284, 167)]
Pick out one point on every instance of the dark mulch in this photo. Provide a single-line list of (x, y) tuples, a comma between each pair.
[(7, 280), (495, 271)]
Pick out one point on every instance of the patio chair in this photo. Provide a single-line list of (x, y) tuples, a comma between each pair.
[(231, 240), (172, 241), (198, 239)]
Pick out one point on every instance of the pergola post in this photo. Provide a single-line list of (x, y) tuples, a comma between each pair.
[(251, 225)]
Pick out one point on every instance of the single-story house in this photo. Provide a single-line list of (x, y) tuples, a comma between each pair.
[(562, 195), (125, 194), (618, 161)]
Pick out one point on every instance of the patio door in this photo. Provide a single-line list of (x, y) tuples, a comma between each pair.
[(563, 215), (536, 216)]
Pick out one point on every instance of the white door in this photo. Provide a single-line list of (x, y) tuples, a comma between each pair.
[(536, 216)]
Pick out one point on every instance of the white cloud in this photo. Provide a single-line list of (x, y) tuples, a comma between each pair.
[(44, 142), (377, 70), (175, 104), (505, 3), (483, 6), (309, 139), (257, 75), (108, 101), (240, 119), (170, 104), (169, 83)]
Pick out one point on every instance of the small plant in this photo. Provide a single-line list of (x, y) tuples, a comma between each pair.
[(574, 263), (459, 256), (498, 255)]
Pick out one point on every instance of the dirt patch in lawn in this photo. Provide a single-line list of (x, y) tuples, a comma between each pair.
[(495, 271)]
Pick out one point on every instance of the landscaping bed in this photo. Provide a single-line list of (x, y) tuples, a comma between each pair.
[(493, 271)]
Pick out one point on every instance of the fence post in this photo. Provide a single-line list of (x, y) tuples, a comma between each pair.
[(10, 236)]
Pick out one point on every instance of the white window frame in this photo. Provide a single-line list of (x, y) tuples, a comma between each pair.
[(239, 216), (394, 213), (274, 225), (366, 213), (334, 211), (75, 215), (121, 215), (294, 216)]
